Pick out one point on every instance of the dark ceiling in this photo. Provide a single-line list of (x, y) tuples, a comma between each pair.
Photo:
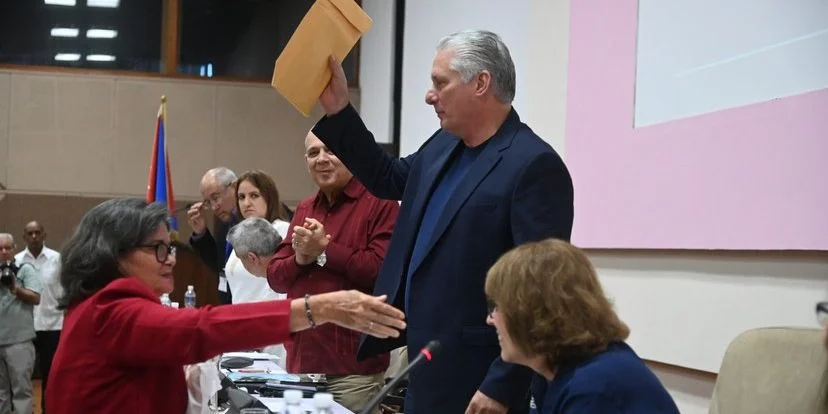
[(238, 38)]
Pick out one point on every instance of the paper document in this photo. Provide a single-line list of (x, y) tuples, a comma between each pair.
[(251, 355), (331, 27)]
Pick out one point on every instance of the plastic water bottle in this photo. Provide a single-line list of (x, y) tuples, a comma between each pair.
[(323, 402), (190, 297), (293, 401), (165, 299)]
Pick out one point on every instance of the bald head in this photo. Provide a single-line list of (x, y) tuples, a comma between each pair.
[(34, 234), (327, 171)]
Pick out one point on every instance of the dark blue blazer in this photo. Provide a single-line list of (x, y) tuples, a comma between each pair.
[(517, 190)]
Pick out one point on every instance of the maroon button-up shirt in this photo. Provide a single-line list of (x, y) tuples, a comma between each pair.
[(360, 226)]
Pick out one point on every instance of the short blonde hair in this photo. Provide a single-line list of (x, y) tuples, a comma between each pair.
[(552, 302)]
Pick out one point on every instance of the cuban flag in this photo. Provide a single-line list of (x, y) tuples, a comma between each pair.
[(159, 186)]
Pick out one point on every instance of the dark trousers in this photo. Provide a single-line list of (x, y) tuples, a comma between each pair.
[(46, 343)]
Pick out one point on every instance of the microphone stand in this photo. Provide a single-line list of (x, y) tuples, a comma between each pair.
[(426, 353)]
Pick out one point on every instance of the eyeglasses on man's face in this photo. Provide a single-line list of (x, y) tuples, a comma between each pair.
[(822, 313), (163, 251), (214, 199)]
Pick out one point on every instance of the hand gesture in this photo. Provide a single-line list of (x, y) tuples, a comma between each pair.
[(334, 97), (196, 219), (482, 404), (358, 311), (309, 241)]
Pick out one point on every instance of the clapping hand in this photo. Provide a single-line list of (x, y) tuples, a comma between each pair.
[(309, 241)]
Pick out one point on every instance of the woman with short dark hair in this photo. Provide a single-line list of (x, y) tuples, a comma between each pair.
[(551, 315), (122, 351)]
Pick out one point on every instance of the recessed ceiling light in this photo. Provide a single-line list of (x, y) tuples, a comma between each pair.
[(60, 2), (100, 58), (67, 57), (101, 33), (64, 32), (102, 3)]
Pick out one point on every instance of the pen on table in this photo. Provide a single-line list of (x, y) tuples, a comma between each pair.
[(251, 370)]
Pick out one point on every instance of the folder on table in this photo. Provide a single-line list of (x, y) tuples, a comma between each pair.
[(331, 27)]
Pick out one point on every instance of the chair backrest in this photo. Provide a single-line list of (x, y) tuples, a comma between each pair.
[(772, 370)]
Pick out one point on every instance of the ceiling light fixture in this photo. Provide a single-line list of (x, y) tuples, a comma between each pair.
[(67, 57), (101, 34), (100, 58), (64, 32), (60, 2), (102, 3)]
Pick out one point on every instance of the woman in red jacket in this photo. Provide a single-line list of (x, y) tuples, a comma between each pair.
[(122, 351)]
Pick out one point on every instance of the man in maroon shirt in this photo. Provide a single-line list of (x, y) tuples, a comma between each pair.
[(337, 240)]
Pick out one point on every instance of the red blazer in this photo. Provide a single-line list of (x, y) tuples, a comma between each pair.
[(122, 351)]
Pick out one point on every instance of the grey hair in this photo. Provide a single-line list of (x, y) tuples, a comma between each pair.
[(225, 176), (7, 236), (89, 259), (476, 51), (254, 235)]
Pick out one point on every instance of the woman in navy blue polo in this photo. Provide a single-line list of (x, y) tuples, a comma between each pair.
[(551, 315)]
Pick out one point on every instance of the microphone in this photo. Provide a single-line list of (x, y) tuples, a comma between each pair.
[(427, 353)]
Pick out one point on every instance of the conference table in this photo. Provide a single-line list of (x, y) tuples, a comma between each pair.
[(264, 364)]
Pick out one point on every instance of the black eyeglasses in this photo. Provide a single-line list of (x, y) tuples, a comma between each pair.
[(215, 198), (162, 250), (492, 307), (822, 313)]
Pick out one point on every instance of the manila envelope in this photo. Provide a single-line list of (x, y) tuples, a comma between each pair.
[(331, 27)]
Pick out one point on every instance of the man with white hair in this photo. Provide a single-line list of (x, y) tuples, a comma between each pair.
[(19, 294), (217, 188), (482, 184), (255, 240)]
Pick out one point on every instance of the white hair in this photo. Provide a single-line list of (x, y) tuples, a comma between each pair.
[(225, 176), (476, 51), (7, 236), (254, 235)]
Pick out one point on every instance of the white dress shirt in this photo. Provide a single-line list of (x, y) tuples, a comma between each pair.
[(247, 287), (46, 315)]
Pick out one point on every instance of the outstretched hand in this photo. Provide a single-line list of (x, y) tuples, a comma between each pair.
[(334, 97), (364, 313)]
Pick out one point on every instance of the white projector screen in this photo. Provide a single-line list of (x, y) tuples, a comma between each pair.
[(702, 56)]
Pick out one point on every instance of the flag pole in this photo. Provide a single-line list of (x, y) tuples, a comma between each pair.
[(154, 161)]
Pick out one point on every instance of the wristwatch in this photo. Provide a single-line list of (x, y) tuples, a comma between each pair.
[(322, 259)]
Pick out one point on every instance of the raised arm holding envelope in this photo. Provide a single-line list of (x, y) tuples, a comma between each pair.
[(480, 185)]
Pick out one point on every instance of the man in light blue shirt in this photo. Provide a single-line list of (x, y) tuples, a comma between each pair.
[(19, 294)]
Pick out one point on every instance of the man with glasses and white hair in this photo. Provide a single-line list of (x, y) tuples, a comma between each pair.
[(218, 191), (479, 186), (19, 293)]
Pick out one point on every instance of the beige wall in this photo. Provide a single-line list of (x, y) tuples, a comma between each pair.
[(77, 135), (90, 134)]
